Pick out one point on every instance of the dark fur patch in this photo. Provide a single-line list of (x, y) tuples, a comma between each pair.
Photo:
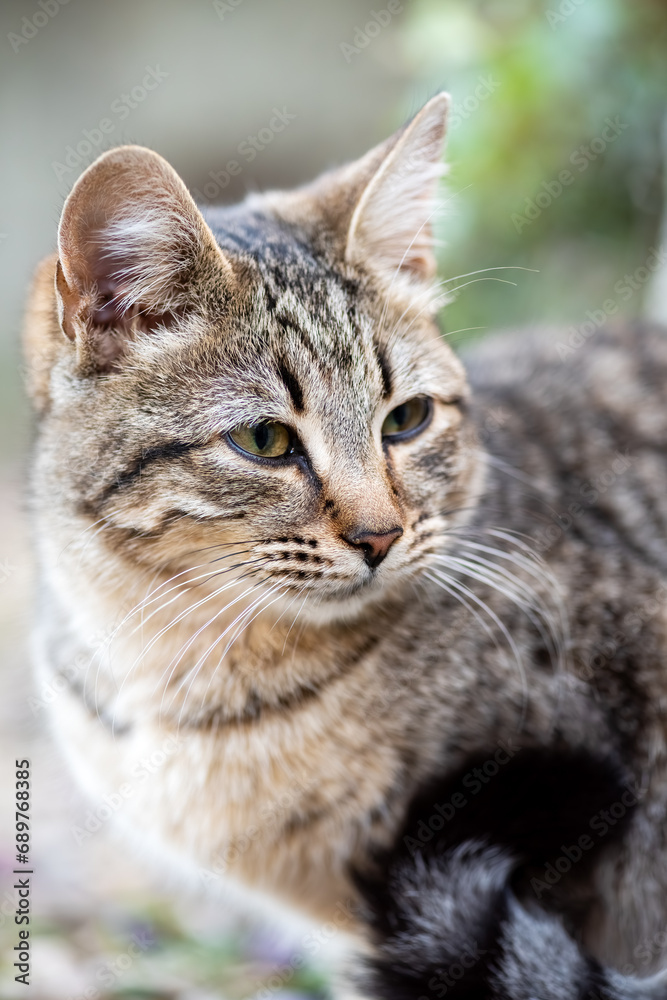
[(137, 465), (292, 385), (385, 371), (510, 806), (531, 803)]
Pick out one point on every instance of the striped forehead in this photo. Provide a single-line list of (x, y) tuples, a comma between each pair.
[(328, 362), (308, 329)]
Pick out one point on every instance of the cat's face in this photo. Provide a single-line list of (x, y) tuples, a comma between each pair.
[(265, 388)]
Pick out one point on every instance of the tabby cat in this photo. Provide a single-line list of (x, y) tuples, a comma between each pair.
[(368, 636)]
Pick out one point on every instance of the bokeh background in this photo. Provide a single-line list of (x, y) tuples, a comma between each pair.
[(557, 151)]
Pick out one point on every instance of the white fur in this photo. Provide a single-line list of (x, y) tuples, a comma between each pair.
[(391, 225)]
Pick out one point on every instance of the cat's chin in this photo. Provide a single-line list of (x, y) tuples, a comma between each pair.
[(345, 604)]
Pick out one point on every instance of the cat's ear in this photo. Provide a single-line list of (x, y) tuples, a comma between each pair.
[(131, 243), (391, 230)]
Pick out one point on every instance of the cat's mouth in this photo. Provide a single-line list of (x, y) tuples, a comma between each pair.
[(324, 601), (338, 589)]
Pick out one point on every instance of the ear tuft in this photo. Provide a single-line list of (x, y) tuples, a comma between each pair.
[(130, 240), (391, 228)]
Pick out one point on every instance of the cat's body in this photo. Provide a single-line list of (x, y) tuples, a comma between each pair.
[(391, 607)]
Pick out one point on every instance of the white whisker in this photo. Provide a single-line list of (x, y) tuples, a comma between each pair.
[(202, 659), (439, 208), (517, 592), (298, 612), (183, 614), (183, 650), (458, 586)]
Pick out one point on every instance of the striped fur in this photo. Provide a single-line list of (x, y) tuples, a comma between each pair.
[(221, 603)]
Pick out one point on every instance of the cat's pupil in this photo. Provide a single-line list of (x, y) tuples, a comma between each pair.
[(262, 436), (406, 417), (401, 415), (268, 439)]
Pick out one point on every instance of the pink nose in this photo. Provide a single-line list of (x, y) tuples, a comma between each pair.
[(374, 545)]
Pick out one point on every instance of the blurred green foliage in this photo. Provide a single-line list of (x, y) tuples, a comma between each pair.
[(532, 83), (143, 952)]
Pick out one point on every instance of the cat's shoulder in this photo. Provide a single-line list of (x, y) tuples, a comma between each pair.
[(575, 356)]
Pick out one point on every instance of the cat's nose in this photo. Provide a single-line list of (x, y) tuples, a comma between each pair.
[(374, 545)]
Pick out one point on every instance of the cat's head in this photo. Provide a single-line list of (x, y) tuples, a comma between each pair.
[(267, 377)]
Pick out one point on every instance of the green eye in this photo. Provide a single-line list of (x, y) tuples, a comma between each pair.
[(408, 418), (268, 439)]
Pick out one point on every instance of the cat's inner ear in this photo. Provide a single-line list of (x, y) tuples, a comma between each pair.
[(131, 243), (391, 230)]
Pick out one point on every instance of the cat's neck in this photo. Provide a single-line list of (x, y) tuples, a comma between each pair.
[(176, 645)]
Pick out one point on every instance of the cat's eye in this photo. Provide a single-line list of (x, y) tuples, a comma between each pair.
[(268, 439), (407, 419)]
